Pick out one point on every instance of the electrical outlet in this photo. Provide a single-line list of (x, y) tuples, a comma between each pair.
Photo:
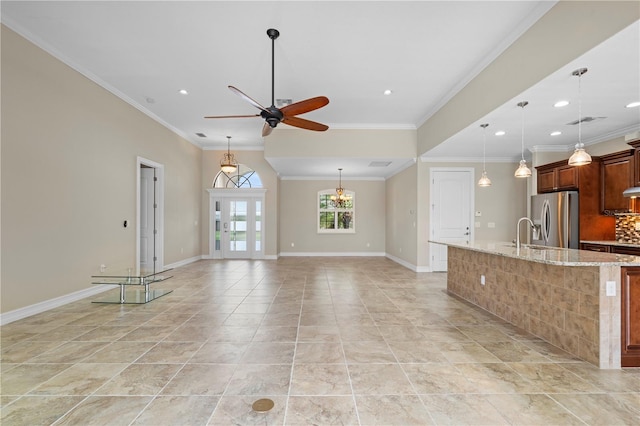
[(637, 226), (611, 288), (482, 280), (103, 267)]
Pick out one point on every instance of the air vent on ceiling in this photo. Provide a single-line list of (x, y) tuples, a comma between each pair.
[(283, 102), (202, 135), (379, 163), (585, 120)]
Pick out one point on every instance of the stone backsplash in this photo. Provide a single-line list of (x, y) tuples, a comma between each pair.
[(626, 229)]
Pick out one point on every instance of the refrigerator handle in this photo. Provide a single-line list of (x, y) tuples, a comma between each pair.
[(560, 218), (545, 221)]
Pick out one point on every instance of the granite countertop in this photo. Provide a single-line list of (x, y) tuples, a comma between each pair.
[(550, 255), (612, 243)]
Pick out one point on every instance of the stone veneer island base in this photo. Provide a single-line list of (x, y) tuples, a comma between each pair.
[(556, 294)]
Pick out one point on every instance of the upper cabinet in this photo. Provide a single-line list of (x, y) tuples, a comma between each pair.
[(618, 173), (557, 177), (636, 158)]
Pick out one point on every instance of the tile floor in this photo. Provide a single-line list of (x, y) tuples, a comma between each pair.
[(358, 341)]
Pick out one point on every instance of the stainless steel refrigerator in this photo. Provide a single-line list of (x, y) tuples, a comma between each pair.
[(556, 218)]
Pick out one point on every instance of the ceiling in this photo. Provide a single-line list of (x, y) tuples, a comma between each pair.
[(425, 52)]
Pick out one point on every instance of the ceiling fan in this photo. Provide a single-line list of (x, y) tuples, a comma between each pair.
[(287, 114)]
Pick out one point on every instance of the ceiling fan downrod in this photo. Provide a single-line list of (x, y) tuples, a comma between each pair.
[(273, 35)]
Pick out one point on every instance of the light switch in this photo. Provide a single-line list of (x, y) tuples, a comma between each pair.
[(611, 288)]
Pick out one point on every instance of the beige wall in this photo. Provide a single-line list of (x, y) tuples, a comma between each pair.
[(254, 160), (298, 212), (69, 152), (402, 216)]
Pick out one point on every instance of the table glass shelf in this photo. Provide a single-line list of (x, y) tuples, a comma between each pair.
[(127, 281)]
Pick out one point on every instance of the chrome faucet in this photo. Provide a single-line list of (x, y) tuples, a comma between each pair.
[(518, 229)]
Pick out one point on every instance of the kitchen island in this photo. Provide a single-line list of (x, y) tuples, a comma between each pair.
[(569, 298)]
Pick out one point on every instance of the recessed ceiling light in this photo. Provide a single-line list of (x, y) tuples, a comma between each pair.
[(388, 92), (501, 133), (183, 92), (561, 104), (556, 133), (633, 104)]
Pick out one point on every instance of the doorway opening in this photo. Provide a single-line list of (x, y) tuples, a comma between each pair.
[(149, 216)]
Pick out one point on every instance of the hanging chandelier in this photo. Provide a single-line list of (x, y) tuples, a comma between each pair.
[(523, 171), (228, 164), (484, 180), (580, 157), (340, 199)]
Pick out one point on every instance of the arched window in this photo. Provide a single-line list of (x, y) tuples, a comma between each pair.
[(336, 216), (243, 177)]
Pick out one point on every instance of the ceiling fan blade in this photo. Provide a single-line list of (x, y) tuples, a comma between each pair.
[(247, 98), (304, 106), (232, 116), (304, 124), (266, 130)]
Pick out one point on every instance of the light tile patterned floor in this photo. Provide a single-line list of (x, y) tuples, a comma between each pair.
[(357, 341)]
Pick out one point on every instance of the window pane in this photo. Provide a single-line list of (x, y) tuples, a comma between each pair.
[(258, 225), (345, 220), (325, 201), (327, 220)]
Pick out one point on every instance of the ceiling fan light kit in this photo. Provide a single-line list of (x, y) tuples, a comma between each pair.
[(287, 114)]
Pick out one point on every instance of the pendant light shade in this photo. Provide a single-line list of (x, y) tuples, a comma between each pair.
[(484, 180), (228, 164), (580, 157), (523, 171)]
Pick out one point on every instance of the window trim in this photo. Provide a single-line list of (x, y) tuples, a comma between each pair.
[(319, 210)]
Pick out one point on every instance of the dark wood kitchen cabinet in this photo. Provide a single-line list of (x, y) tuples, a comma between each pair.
[(618, 174), (636, 173), (557, 177), (595, 247), (630, 339)]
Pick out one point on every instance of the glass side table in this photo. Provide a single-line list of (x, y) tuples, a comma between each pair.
[(130, 291)]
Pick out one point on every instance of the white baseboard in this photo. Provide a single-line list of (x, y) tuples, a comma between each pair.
[(329, 254), (184, 262), (408, 265), (38, 308)]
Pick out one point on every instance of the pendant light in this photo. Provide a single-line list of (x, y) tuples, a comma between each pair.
[(484, 180), (340, 199), (523, 171), (228, 164), (580, 157)]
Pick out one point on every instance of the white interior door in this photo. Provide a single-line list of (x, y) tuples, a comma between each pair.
[(148, 209), (451, 211), (149, 216)]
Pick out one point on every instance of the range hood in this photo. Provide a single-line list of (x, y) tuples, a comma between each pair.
[(632, 192)]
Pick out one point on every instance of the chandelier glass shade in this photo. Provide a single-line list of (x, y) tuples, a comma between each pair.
[(228, 164), (341, 198), (484, 180), (522, 171), (580, 157)]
